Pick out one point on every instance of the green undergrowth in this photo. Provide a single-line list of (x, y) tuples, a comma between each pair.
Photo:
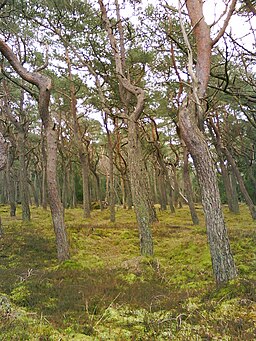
[(106, 291)]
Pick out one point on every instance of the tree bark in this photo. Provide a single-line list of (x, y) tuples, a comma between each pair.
[(23, 177), (162, 191), (188, 189), (176, 190), (111, 180), (84, 160), (3, 152), (232, 199), (22, 129), (234, 190), (240, 181), (44, 85), (143, 206), (232, 203), (10, 182), (44, 170), (139, 190), (128, 194), (191, 117), (222, 259)]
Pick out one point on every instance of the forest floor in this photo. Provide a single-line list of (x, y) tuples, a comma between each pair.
[(106, 291)]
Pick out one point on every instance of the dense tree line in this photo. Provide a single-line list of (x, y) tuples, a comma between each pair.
[(175, 97)]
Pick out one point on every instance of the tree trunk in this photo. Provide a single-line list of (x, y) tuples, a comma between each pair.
[(98, 189), (191, 117), (176, 190), (232, 203), (3, 162), (143, 205), (10, 183), (128, 192), (85, 176), (44, 170), (34, 184), (188, 189), (170, 191), (139, 189), (233, 183), (126, 188), (3, 152), (23, 178), (222, 259), (240, 181), (162, 191), (230, 193), (78, 137), (53, 195), (63, 185), (44, 85), (111, 180), (123, 190)]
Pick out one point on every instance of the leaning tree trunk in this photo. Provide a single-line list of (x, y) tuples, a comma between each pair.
[(222, 259), (44, 84)]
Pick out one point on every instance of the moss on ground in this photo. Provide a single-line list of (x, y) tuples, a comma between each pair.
[(106, 291)]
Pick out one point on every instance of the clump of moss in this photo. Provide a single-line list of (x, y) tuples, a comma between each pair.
[(19, 324)]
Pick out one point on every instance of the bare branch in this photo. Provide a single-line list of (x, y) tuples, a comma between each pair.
[(226, 22)]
